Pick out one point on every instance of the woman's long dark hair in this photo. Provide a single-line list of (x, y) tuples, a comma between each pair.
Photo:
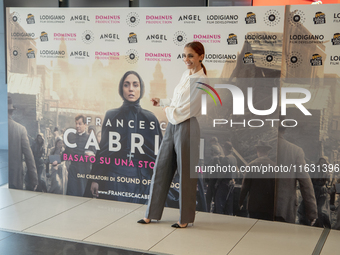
[(199, 49), (121, 83)]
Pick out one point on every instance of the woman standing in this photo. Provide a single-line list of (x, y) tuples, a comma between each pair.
[(180, 143)]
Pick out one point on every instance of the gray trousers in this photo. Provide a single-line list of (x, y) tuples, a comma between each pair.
[(180, 145)]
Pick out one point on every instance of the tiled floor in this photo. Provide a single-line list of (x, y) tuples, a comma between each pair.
[(68, 225), (41, 223)]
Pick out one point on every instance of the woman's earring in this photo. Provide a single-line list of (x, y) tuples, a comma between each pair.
[(200, 61)]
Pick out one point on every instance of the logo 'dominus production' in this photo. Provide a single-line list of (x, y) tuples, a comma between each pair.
[(297, 17), (204, 96), (272, 18), (132, 19), (320, 18), (294, 59), (248, 58), (30, 53), (132, 37), (316, 60), (132, 56), (180, 38), (87, 37), (43, 37), (232, 39), (336, 39), (250, 18)]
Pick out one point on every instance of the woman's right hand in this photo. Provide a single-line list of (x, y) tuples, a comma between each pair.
[(155, 101)]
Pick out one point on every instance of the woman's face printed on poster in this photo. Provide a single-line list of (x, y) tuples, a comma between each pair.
[(131, 88)]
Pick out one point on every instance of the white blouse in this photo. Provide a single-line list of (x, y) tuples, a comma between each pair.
[(184, 98)]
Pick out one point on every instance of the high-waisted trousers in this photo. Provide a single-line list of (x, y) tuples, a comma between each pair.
[(179, 150)]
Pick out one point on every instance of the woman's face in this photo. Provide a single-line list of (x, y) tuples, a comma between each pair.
[(131, 88), (192, 59)]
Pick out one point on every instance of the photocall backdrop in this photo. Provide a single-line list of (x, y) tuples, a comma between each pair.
[(67, 62)]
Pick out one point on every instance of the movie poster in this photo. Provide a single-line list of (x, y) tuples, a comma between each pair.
[(80, 83)]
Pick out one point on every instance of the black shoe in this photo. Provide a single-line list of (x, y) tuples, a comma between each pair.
[(176, 225), (142, 221)]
